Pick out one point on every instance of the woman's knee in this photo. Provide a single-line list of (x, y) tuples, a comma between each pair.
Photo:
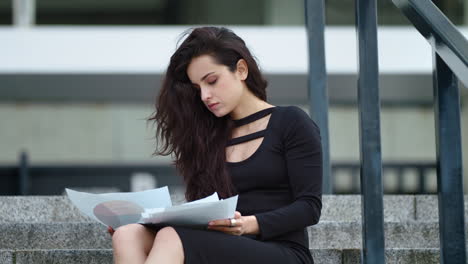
[(130, 234), (168, 236)]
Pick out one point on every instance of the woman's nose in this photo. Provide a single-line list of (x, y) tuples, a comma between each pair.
[(205, 94)]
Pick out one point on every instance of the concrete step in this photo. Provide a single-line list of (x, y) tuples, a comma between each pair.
[(345, 235), (57, 256), (321, 256), (43, 209), (54, 236), (39, 209), (333, 235), (392, 256)]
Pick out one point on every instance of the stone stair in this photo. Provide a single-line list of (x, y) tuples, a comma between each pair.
[(48, 229)]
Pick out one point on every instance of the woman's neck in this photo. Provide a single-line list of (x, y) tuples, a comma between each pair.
[(249, 105)]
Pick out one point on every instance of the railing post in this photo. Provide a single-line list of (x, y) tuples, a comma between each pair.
[(373, 248), (23, 174), (449, 164), (317, 81)]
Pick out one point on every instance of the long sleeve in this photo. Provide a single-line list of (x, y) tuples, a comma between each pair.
[(303, 154)]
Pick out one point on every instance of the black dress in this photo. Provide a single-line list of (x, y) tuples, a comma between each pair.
[(280, 184)]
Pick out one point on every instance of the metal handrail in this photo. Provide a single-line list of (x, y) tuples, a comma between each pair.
[(444, 37), (450, 60)]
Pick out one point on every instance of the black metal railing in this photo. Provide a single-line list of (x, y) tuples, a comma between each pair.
[(373, 236), (317, 82), (369, 116), (450, 60)]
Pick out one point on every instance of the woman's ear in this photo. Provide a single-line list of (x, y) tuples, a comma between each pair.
[(242, 69)]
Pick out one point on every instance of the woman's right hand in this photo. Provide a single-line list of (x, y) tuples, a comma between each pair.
[(110, 230)]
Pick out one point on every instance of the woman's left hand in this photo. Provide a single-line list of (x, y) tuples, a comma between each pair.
[(243, 225)]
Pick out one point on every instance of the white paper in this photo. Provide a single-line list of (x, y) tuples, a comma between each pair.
[(151, 206), (195, 214)]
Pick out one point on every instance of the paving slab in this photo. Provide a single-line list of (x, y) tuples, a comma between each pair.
[(415, 256), (39, 209), (412, 235), (88, 256), (397, 256), (335, 235), (427, 208), (6, 257), (348, 208), (327, 256), (344, 235), (54, 236)]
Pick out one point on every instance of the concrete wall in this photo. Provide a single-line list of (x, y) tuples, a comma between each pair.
[(76, 133), (406, 134)]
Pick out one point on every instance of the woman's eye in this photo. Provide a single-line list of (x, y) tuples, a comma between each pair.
[(212, 82)]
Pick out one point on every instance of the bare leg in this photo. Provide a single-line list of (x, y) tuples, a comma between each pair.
[(132, 243), (167, 248)]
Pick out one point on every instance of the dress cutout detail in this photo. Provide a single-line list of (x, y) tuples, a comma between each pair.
[(252, 117), (248, 119)]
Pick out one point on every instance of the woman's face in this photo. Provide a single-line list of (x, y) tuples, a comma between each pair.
[(220, 89)]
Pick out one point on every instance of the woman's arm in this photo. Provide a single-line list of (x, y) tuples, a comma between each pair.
[(303, 154)]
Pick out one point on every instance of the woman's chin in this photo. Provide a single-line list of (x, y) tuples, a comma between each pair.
[(218, 113)]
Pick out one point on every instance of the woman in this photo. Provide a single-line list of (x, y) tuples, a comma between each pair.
[(212, 115)]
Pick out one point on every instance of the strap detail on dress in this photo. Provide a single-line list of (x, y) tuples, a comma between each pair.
[(253, 117), (248, 119), (245, 138)]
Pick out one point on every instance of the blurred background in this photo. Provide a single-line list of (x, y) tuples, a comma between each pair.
[(78, 80)]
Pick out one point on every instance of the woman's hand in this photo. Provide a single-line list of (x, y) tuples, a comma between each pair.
[(110, 230), (243, 225)]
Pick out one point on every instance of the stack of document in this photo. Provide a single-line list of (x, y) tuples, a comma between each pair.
[(151, 207)]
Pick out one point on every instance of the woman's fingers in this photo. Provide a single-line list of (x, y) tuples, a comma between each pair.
[(237, 230), (224, 222), (225, 228), (221, 222), (237, 215), (110, 230), (224, 225)]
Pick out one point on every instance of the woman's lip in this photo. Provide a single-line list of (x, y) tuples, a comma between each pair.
[(212, 105)]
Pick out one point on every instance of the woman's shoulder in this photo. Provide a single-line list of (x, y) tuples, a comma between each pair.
[(293, 113), (294, 118)]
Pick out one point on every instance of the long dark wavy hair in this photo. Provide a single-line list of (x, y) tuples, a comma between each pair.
[(185, 127)]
